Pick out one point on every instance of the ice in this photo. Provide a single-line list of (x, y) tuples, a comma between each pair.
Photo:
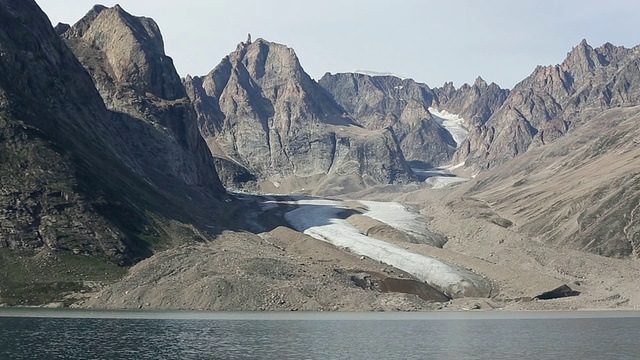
[(378, 73), (453, 167), (439, 177), (451, 122), (397, 216), (320, 219)]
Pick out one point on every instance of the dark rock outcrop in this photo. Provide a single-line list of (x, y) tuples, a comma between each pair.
[(560, 292), (260, 110), (70, 178)]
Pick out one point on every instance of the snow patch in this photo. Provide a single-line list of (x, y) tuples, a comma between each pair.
[(453, 167), (396, 215), (439, 182), (378, 73), (319, 219), (452, 123)]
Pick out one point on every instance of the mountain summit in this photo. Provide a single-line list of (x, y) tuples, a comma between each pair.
[(151, 112), (260, 111), (552, 101)]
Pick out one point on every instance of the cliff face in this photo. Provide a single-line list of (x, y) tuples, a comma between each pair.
[(55, 148), (379, 102), (113, 184), (149, 107), (474, 103), (553, 100), (260, 111)]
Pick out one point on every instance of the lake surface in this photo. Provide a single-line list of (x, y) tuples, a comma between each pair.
[(82, 334)]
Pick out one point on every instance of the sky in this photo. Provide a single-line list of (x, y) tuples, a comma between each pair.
[(430, 41)]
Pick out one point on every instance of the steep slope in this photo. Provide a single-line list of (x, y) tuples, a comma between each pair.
[(474, 103), (554, 100), (582, 191), (259, 111), (70, 203), (379, 102), (149, 106)]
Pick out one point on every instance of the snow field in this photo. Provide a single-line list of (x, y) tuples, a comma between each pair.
[(319, 219), (452, 123)]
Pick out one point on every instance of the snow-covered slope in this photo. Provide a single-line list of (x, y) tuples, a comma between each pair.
[(451, 122), (378, 73), (319, 219)]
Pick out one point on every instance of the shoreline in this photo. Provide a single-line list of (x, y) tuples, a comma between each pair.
[(155, 314)]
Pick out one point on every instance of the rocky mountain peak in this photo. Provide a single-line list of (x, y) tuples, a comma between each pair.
[(264, 58), (61, 28), (66, 182), (581, 58), (448, 87), (474, 103), (480, 82), (125, 56), (133, 47), (261, 112), (553, 99), (389, 102)]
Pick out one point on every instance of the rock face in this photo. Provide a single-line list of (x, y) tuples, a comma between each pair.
[(52, 145), (379, 102), (474, 103), (260, 111), (553, 100), (69, 180), (149, 107)]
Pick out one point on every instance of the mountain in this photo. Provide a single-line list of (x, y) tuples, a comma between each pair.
[(263, 116), (552, 101), (474, 103), (78, 194), (149, 107), (379, 102), (562, 153), (582, 191)]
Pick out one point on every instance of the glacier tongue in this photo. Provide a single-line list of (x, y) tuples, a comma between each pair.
[(320, 219), (452, 123)]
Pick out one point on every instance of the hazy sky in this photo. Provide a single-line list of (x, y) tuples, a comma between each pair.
[(429, 41)]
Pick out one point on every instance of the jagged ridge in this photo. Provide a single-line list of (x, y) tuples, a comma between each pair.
[(260, 110)]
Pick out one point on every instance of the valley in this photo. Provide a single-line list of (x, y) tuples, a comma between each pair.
[(319, 254), (255, 187)]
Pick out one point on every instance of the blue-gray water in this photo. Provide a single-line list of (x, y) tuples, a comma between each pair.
[(66, 334)]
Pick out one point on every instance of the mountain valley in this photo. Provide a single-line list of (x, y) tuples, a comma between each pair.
[(256, 187)]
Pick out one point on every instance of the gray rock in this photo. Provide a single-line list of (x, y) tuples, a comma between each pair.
[(379, 102), (150, 109), (552, 101), (474, 103), (71, 173), (260, 110)]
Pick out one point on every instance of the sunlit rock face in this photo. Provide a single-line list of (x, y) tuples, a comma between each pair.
[(260, 110), (139, 84), (554, 100)]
